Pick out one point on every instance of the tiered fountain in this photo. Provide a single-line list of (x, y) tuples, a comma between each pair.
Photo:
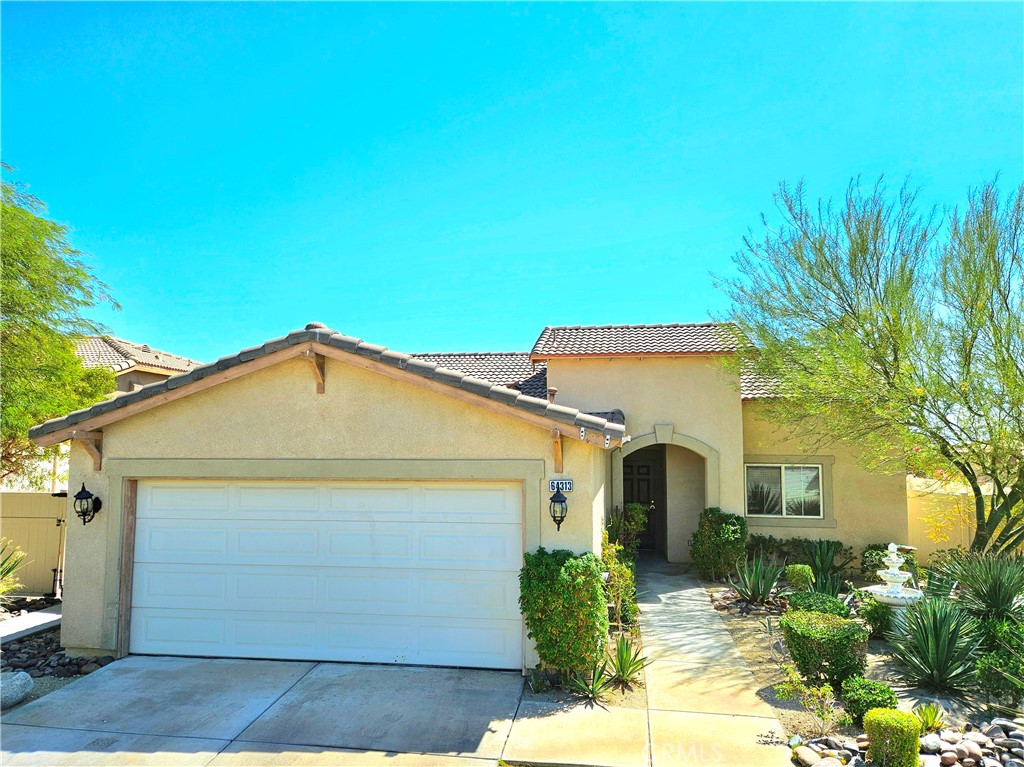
[(892, 592)]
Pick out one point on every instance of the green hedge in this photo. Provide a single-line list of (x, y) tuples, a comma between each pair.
[(860, 695), (720, 541), (799, 577), (825, 648), (812, 601), (876, 615), (562, 598), (894, 737)]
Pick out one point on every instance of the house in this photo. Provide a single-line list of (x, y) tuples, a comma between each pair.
[(320, 497), (134, 365)]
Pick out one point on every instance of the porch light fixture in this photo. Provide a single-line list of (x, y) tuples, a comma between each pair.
[(558, 509), (86, 505)]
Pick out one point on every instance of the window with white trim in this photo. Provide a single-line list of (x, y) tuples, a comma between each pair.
[(784, 490)]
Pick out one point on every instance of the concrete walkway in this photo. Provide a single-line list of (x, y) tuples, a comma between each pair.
[(30, 623), (702, 699)]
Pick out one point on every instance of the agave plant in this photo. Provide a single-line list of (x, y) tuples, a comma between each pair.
[(990, 586), (828, 583), (823, 555), (755, 579), (932, 717), (592, 686), (936, 641), (626, 663)]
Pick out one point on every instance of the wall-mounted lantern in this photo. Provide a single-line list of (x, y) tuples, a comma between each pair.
[(558, 508), (86, 505)]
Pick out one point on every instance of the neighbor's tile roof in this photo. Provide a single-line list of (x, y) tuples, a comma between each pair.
[(317, 333), (119, 355), (512, 369), (754, 386), (634, 340)]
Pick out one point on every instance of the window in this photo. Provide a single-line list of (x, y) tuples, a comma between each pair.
[(783, 491)]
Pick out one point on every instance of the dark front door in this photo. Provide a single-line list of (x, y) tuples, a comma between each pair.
[(638, 486)]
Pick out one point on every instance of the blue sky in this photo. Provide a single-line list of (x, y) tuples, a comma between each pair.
[(455, 176)]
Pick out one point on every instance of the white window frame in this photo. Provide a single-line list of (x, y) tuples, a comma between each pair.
[(783, 466)]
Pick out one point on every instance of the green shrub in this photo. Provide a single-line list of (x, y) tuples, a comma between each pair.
[(12, 559), (990, 586), (860, 695), (626, 526), (813, 602), (620, 587), (937, 643), (894, 736), (825, 647), (755, 580), (872, 559), (1000, 666), (818, 701), (720, 541), (787, 550), (799, 577), (876, 615), (561, 596)]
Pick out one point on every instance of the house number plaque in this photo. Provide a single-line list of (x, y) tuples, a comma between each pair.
[(565, 485)]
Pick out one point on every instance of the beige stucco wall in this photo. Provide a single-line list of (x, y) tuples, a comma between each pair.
[(129, 379), (692, 393), (684, 471), (271, 423), (867, 507)]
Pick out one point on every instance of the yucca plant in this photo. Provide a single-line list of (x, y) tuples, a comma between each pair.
[(626, 663), (823, 555), (936, 641), (990, 586), (755, 579), (592, 686), (932, 717), (11, 560)]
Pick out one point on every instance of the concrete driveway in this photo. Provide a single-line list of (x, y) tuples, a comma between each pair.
[(229, 713)]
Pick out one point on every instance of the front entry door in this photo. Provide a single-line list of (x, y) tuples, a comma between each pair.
[(638, 487)]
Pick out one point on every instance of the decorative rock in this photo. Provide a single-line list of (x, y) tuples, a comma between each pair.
[(948, 758), (1006, 724), (929, 760), (976, 737), (106, 660), (829, 761), (968, 762), (968, 749), (795, 741), (932, 744), (852, 746), (806, 756), (88, 668), (994, 731), (14, 687), (950, 736)]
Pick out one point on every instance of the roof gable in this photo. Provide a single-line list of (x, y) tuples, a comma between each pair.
[(317, 340)]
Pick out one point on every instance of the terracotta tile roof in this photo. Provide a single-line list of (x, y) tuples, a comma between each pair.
[(754, 386), (119, 355), (512, 369), (317, 333), (634, 340)]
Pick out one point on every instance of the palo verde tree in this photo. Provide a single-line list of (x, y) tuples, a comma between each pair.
[(898, 331), (44, 287)]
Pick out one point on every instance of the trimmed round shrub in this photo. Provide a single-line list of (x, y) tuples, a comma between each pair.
[(799, 577), (719, 542), (894, 736), (825, 648), (811, 601), (860, 695), (562, 598)]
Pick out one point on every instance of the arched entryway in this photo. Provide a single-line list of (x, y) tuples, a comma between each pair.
[(676, 473)]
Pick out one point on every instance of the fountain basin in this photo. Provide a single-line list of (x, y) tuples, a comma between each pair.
[(903, 597)]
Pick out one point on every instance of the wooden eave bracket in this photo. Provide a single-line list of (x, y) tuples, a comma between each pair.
[(319, 363), (92, 441), (556, 447)]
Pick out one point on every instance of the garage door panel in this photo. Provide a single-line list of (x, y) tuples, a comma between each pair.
[(365, 639), (370, 571)]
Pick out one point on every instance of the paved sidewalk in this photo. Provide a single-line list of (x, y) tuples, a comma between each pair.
[(701, 697), (30, 623)]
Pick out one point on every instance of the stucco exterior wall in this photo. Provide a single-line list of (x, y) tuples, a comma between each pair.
[(271, 423), (692, 393), (684, 472), (867, 507)]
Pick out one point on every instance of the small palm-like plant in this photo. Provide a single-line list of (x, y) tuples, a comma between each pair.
[(936, 642), (932, 717), (626, 663), (755, 579), (828, 583), (592, 686)]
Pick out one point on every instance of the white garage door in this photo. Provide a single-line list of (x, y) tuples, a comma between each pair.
[(383, 572)]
